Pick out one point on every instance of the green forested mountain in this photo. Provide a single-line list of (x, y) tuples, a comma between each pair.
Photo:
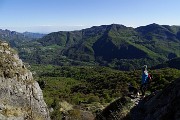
[(16, 39), (33, 35), (113, 45), (13, 37)]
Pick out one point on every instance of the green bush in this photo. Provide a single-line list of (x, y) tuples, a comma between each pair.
[(93, 99)]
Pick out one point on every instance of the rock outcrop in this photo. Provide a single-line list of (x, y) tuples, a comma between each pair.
[(20, 96), (165, 105), (117, 110), (161, 105)]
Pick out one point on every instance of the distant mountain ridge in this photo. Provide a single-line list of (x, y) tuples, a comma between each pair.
[(33, 35), (173, 63), (112, 45), (16, 38)]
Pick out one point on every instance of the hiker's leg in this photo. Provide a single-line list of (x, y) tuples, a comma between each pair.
[(145, 88), (142, 90)]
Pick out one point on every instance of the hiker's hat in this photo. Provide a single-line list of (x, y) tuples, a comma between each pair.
[(144, 67)]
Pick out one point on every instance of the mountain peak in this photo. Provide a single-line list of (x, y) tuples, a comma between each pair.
[(117, 26), (150, 26), (154, 24), (156, 31)]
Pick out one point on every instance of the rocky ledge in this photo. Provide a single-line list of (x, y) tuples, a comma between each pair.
[(20, 95), (163, 105), (160, 105)]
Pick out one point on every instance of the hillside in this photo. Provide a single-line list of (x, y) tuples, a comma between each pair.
[(161, 105), (33, 35), (113, 45), (16, 39), (165, 105), (90, 89), (173, 63)]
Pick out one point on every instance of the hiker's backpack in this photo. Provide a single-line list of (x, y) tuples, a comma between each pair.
[(149, 79)]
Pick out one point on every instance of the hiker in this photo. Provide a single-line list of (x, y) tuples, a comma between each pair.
[(144, 81)]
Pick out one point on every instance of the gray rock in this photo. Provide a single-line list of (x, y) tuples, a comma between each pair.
[(20, 95)]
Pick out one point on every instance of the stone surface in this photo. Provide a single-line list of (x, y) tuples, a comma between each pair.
[(161, 105), (165, 105), (20, 96)]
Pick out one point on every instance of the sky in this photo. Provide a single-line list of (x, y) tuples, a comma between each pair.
[(46, 16)]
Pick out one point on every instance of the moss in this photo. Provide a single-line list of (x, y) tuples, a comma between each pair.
[(12, 111), (29, 82), (75, 114), (37, 117), (9, 64)]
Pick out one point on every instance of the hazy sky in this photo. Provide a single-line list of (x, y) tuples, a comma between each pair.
[(54, 15)]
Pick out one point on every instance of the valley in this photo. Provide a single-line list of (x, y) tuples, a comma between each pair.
[(114, 46)]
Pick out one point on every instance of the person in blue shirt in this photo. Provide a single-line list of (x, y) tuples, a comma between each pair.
[(144, 80)]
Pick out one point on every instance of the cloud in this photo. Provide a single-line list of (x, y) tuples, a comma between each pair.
[(46, 28), (49, 28)]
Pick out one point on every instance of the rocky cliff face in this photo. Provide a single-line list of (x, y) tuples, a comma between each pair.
[(20, 96)]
